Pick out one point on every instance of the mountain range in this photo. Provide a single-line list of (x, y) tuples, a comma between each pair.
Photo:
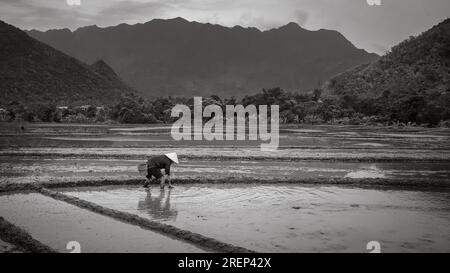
[(181, 58), (32, 72)]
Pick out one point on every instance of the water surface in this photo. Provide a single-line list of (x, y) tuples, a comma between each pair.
[(290, 218)]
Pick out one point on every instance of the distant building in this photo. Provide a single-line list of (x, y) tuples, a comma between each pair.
[(85, 107)]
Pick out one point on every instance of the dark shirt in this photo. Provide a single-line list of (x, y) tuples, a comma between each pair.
[(160, 162)]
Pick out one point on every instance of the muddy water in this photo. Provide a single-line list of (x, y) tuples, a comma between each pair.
[(29, 170), (293, 218), (55, 223), (313, 169), (80, 135)]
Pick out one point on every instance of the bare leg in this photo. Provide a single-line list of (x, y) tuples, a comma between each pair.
[(169, 181), (162, 181), (147, 183)]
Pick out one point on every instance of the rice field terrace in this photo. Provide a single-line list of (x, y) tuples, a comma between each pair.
[(326, 189)]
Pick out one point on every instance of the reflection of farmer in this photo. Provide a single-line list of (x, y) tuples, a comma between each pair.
[(157, 207), (154, 166)]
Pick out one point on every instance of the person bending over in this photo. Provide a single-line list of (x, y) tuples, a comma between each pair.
[(154, 166)]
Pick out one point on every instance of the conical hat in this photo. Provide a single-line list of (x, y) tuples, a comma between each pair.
[(173, 157)]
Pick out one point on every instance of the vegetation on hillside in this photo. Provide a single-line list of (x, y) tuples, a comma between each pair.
[(411, 83), (33, 73)]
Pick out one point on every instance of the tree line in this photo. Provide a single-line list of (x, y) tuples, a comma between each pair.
[(295, 108)]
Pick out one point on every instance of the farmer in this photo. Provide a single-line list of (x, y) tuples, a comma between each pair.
[(154, 166)]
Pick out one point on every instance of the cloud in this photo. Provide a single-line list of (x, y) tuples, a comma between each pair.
[(381, 49), (49, 14), (252, 20), (301, 17), (29, 14), (124, 10), (73, 2), (366, 26)]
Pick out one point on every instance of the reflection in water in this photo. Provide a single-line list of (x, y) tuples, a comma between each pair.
[(54, 223), (158, 207)]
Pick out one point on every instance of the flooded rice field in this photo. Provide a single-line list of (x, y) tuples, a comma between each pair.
[(282, 201), (56, 223), (291, 218), (299, 136), (66, 152)]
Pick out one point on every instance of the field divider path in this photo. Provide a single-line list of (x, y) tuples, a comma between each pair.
[(165, 229), (14, 235), (386, 183), (355, 159)]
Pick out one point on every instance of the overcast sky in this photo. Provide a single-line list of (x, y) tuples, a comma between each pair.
[(374, 28)]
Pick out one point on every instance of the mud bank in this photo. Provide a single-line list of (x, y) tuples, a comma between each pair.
[(187, 236), (18, 187), (253, 154), (21, 239), (352, 159), (382, 183), (355, 159), (351, 182), (32, 187)]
